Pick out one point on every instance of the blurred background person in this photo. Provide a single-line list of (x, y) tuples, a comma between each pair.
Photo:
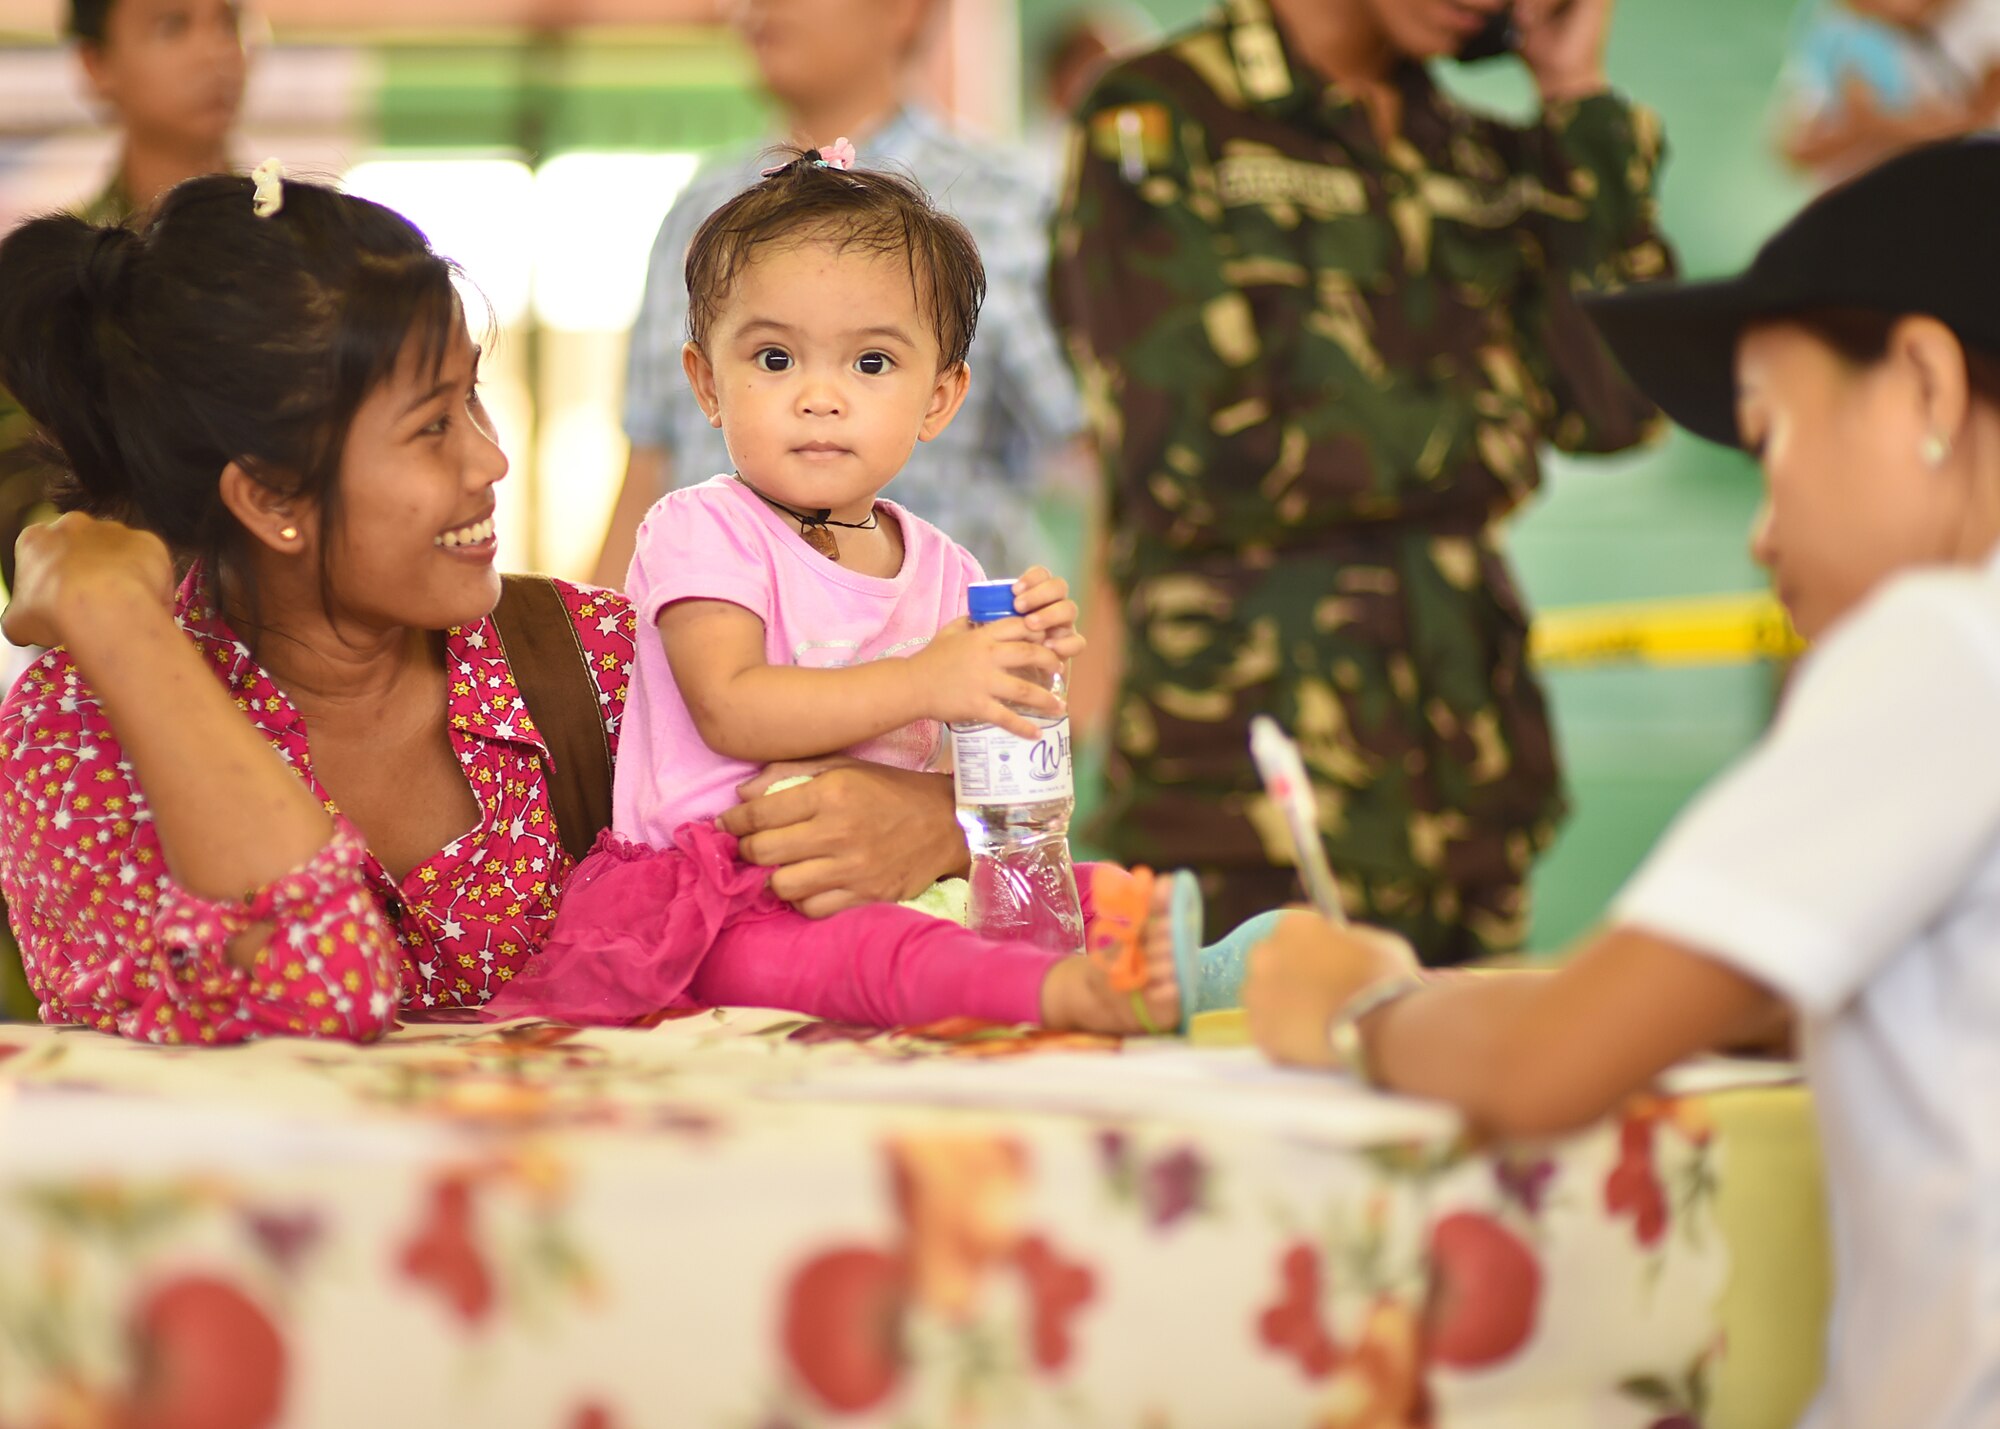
[(841, 68), (1866, 79), (169, 74), (1325, 319), (1082, 48), (1074, 55)]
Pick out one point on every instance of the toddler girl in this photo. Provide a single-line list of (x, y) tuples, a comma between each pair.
[(797, 613)]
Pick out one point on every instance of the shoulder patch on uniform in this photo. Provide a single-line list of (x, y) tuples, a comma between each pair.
[(1136, 137)]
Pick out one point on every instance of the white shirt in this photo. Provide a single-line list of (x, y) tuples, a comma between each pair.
[(1851, 862)]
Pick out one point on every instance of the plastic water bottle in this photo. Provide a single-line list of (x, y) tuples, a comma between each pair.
[(1015, 797)]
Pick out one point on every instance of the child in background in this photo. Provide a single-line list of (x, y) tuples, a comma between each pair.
[(1866, 79), (797, 613)]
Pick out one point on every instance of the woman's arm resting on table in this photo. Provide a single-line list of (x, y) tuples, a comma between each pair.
[(231, 816), (1522, 1054), (126, 766), (1887, 728), (858, 833)]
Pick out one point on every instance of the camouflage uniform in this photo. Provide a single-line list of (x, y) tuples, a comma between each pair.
[(24, 492), (1320, 367)]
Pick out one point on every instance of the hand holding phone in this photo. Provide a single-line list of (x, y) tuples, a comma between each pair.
[(1562, 42), (1498, 36)]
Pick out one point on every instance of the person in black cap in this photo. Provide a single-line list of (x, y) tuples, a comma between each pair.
[(1847, 870)]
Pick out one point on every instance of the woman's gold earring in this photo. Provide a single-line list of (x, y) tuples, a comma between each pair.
[(288, 533), (1935, 450)]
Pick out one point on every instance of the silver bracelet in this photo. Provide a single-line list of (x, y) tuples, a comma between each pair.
[(1343, 1032)]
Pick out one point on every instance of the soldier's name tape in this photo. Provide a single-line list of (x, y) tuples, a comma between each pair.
[(1692, 630)]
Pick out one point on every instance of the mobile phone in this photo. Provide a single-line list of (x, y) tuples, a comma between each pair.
[(1498, 36)]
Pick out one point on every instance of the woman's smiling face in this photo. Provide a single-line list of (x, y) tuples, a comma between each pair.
[(414, 541)]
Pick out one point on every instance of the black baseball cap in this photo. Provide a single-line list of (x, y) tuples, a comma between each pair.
[(1918, 234)]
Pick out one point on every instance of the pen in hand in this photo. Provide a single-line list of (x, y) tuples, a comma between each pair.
[(1283, 771)]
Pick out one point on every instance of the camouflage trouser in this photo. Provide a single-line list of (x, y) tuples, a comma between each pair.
[(1399, 664)]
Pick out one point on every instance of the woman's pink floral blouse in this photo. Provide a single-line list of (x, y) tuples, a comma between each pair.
[(109, 941)]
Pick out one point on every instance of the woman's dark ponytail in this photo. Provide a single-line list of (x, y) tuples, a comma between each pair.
[(152, 361), (60, 282)]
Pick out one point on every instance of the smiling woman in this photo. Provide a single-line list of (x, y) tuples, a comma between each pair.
[(300, 791)]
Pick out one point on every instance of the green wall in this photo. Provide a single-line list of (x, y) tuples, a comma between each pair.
[(541, 94), (1666, 522)]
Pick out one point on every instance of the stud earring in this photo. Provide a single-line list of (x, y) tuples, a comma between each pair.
[(288, 533), (1935, 450)]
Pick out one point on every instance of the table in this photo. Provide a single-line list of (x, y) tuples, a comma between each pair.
[(748, 1220)]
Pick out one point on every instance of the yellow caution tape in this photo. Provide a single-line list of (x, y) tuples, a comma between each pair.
[(1697, 630)]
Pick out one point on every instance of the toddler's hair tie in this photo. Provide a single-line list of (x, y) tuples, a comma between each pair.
[(837, 155), (269, 177)]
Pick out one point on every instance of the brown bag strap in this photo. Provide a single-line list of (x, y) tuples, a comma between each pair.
[(553, 674)]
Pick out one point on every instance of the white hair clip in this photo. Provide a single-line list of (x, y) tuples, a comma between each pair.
[(270, 196)]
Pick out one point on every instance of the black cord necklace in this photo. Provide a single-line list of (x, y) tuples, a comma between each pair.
[(813, 524)]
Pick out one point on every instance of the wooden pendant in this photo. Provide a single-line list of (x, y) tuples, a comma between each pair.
[(821, 540)]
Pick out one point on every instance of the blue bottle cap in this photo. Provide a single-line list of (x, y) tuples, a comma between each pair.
[(991, 600)]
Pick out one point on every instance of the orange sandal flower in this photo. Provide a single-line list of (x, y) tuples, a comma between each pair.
[(1121, 906)]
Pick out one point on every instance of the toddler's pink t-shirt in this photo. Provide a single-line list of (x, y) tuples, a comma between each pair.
[(720, 541)]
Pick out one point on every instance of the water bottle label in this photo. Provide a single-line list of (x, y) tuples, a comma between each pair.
[(995, 767)]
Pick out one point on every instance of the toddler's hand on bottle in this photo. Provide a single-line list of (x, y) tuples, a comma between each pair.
[(1043, 600), (971, 674)]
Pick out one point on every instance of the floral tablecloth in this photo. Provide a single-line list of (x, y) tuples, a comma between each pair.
[(746, 1221)]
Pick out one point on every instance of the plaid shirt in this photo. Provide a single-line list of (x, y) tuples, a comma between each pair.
[(977, 479)]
